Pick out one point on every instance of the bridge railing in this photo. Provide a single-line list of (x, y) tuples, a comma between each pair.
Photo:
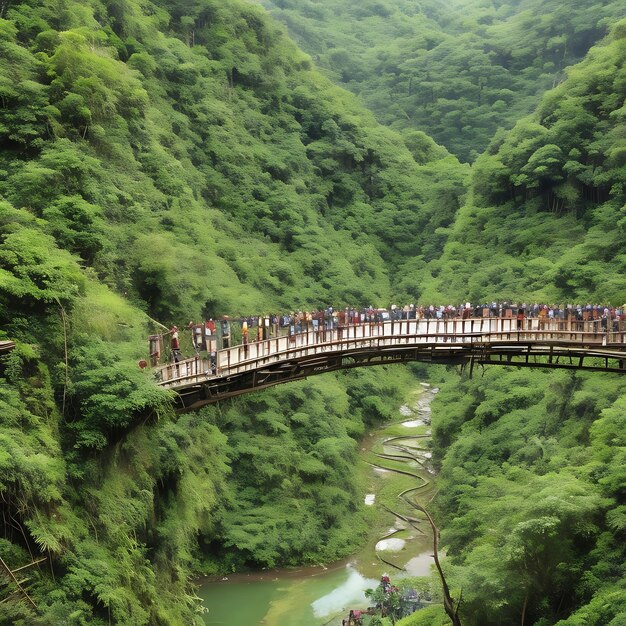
[(381, 335)]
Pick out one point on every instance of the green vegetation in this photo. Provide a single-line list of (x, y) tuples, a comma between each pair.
[(293, 455), (182, 160), (531, 482), (158, 144), (545, 215), (531, 493), (457, 70)]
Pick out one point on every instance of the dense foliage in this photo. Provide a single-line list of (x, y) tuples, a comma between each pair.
[(532, 481), (532, 493), (457, 70), (548, 199), (183, 160), (155, 145)]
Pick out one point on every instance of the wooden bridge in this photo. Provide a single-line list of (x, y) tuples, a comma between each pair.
[(480, 341), (6, 346)]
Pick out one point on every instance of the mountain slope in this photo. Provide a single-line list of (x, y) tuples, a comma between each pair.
[(457, 70), (182, 161), (545, 216), (531, 484), (184, 152)]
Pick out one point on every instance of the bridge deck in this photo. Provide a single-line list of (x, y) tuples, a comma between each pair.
[(493, 341)]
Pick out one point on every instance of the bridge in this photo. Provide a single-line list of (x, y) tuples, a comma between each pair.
[(565, 344), (6, 346)]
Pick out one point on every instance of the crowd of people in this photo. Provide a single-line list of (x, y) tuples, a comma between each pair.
[(266, 326), (213, 334)]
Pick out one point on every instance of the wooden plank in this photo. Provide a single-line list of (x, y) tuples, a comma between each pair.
[(6, 346)]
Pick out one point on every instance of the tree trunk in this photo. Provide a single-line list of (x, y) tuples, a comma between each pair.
[(448, 601)]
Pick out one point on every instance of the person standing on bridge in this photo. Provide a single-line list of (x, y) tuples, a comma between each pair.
[(175, 344), (244, 337), (543, 316), (520, 318)]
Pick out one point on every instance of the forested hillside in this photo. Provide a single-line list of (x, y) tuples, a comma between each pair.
[(156, 145), (184, 160), (181, 160), (457, 70), (545, 216), (532, 498)]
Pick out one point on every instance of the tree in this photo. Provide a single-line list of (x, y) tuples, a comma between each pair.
[(388, 600)]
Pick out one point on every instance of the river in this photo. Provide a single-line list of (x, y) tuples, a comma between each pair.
[(320, 596)]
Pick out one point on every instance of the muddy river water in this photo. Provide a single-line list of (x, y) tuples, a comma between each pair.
[(399, 459)]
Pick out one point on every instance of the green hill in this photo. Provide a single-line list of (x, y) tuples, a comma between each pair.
[(531, 482), (546, 207), (182, 161), (457, 70), (185, 160)]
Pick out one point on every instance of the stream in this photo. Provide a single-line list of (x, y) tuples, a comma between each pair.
[(399, 545)]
